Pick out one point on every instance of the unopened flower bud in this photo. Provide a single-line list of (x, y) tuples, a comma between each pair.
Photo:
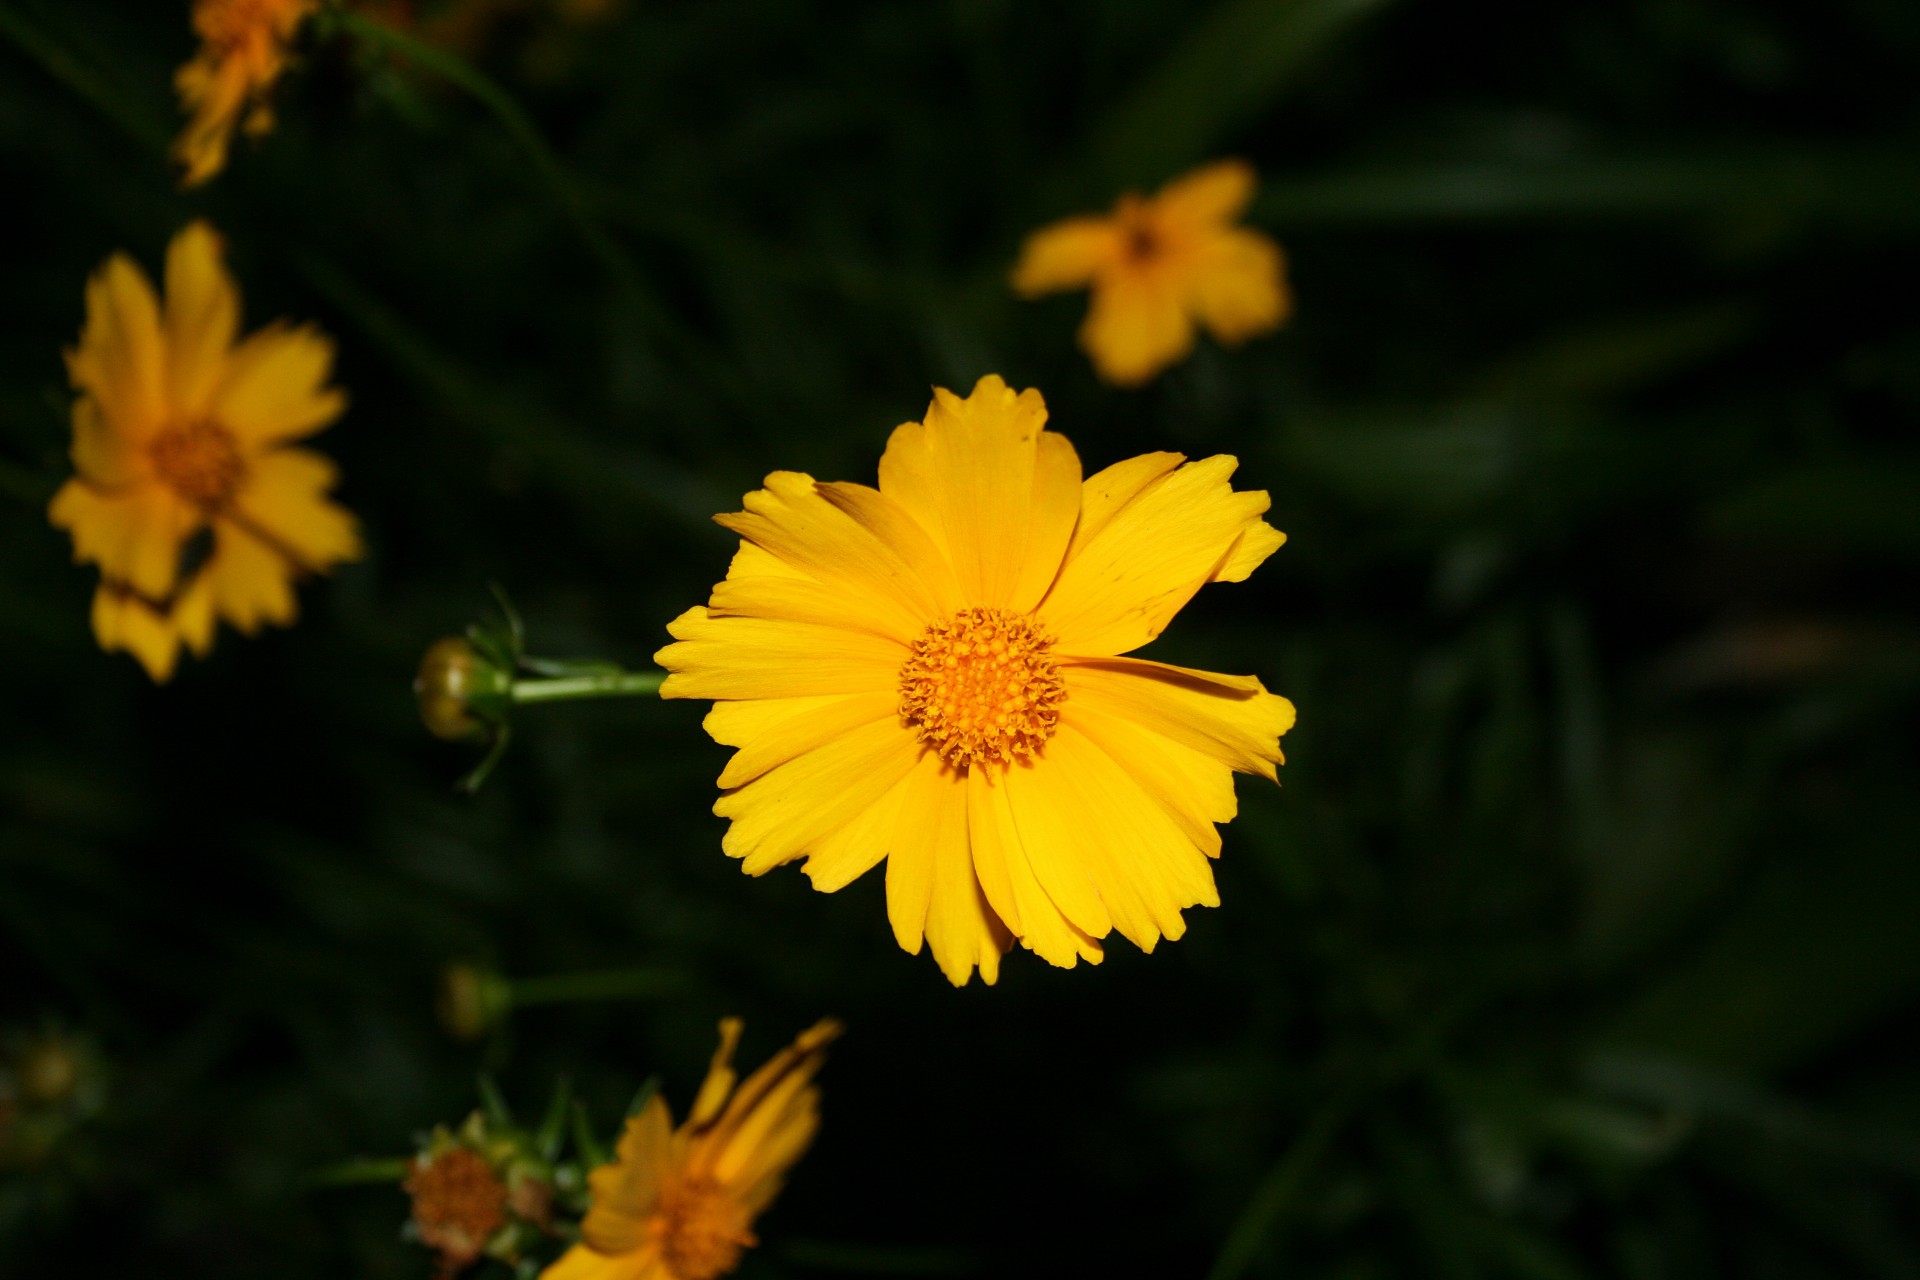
[(471, 1000), (461, 694)]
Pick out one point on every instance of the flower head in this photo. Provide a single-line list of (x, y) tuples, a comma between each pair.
[(930, 674), (1159, 264), (186, 491), (481, 1191), (243, 50), (679, 1204)]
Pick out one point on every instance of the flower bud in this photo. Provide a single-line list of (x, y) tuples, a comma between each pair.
[(471, 1000), (462, 695)]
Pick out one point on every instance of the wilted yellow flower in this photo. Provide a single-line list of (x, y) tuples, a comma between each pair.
[(1159, 264), (243, 50), (679, 1204), (186, 492), (928, 673)]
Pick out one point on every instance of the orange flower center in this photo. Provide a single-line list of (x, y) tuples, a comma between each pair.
[(981, 686), (701, 1229), (1141, 241), (459, 1203), (201, 462)]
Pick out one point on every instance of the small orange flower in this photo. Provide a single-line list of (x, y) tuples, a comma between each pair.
[(243, 50), (679, 1204), (187, 492), (459, 1204), (1159, 264)]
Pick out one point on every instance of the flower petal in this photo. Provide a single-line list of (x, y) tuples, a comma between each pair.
[(772, 1117), (1238, 286), (121, 359), (202, 316), (1195, 788), (1213, 193), (773, 658), (125, 622), (1232, 719), (134, 536), (1137, 326), (797, 735), (1121, 589), (275, 388), (931, 885), (252, 579), (626, 1189), (788, 810), (859, 845), (284, 503), (978, 478), (794, 521), (1066, 255), (1007, 878), (1077, 808)]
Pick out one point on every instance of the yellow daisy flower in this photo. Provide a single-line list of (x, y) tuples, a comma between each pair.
[(1159, 264), (679, 1204), (186, 492), (243, 50), (929, 673)]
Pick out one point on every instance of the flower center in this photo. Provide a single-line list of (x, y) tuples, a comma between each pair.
[(981, 686), (701, 1229), (201, 462), (459, 1203)]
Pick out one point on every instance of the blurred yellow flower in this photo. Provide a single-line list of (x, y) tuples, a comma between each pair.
[(185, 491), (243, 50), (1159, 264), (679, 1204), (928, 673)]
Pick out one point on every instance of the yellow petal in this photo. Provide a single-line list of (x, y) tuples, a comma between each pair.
[(789, 810), (1214, 193), (582, 1263), (931, 884), (251, 579), (626, 1190), (202, 316), (213, 90), (1137, 326), (1077, 808), (1123, 587), (796, 735), (134, 536), (757, 1136), (735, 724), (1107, 491), (1249, 552), (976, 476), (1007, 877), (1195, 788), (275, 386), (120, 361), (791, 519), (859, 844), (1238, 286), (769, 658), (890, 522), (121, 622), (718, 1085), (1232, 719), (102, 456), (1066, 255), (284, 502)]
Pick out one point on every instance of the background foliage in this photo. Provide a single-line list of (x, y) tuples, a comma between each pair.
[(1580, 939)]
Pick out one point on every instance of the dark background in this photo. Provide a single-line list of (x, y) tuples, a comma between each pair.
[(1580, 938)]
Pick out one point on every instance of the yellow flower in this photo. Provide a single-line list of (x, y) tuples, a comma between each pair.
[(679, 1204), (928, 673), (185, 491), (1157, 265), (243, 50)]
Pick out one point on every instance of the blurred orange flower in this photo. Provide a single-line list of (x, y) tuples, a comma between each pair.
[(186, 492), (1157, 265), (243, 50), (679, 1204), (929, 674)]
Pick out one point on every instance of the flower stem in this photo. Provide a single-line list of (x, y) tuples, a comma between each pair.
[(610, 684)]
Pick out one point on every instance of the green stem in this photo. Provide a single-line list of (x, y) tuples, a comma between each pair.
[(612, 684), (350, 1173)]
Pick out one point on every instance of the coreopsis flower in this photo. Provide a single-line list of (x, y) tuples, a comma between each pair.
[(187, 491), (243, 49), (679, 1204), (930, 673), (1157, 266), (483, 1191)]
